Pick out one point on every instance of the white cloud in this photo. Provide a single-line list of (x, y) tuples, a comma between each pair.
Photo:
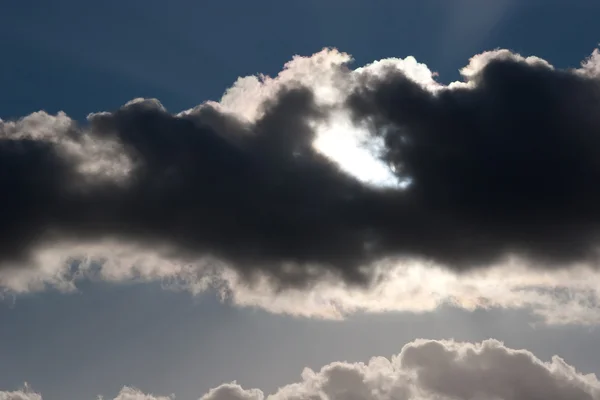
[(423, 370), (437, 370), (230, 391), (557, 297), (479, 61), (129, 393), (94, 159), (591, 66), (23, 394)]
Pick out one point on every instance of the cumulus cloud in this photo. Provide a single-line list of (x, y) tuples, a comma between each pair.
[(129, 393), (25, 393), (343, 187), (423, 370)]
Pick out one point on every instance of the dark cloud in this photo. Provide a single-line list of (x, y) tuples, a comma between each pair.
[(257, 196), (508, 166)]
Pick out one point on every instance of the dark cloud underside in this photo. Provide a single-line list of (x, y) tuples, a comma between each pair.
[(508, 166)]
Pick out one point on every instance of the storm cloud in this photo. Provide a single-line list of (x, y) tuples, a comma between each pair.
[(504, 164)]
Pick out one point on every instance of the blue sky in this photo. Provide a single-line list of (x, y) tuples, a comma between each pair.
[(97, 57), (82, 57)]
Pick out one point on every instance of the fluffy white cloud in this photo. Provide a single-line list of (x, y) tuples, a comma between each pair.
[(129, 393), (423, 370), (558, 297), (445, 370), (230, 391), (23, 394)]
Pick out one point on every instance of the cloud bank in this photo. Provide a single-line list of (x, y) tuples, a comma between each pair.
[(423, 370), (337, 182)]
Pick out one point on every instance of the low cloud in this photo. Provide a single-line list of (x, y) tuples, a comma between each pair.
[(326, 189), (129, 393), (26, 393), (423, 370)]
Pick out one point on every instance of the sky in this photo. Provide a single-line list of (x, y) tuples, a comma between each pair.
[(196, 246)]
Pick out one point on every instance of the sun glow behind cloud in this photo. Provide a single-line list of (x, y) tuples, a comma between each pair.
[(350, 147), (339, 138)]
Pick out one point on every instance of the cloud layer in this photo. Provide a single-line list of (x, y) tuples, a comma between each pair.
[(423, 370), (320, 175)]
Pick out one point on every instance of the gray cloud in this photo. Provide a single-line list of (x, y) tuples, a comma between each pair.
[(423, 370), (502, 165)]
